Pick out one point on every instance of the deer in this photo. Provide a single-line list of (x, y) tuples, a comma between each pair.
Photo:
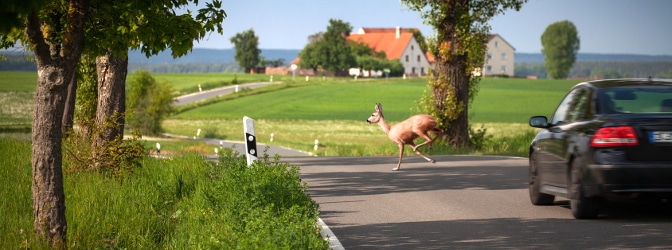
[(405, 132)]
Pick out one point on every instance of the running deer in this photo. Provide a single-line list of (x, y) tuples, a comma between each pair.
[(405, 132)]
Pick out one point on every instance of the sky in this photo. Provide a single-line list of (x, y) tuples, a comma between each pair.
[(642, 27)]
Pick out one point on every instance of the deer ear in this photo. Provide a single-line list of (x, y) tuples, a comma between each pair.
[(379, 107)]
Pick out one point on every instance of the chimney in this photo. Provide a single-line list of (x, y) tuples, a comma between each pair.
[(398, 32)]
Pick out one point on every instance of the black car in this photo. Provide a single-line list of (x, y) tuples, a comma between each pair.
[(606, 139)]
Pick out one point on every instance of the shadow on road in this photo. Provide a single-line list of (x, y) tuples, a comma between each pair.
[(509, 233), (418, 179)]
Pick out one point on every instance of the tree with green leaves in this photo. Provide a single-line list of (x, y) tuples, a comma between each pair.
[(459, 46), (55, 32), (330, 51), (560, 42), (247, 50)]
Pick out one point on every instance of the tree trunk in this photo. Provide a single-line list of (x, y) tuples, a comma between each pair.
[(69, 111), (458, 131), (56, 63), (452, 67), (112, 71)]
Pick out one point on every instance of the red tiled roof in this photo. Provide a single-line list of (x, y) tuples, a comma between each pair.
[(296, 61), (385, 41)]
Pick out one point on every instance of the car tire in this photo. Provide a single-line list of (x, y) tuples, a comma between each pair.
[(582, 207), (536, 196)]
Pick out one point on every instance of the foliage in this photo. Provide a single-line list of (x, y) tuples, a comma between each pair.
[(331, 51), (362, 49), (422, 41), (116, 157), (459, 47), (479, 137), (247, 51), (87, 94), (149, 103), (560, 42), (184, 202)]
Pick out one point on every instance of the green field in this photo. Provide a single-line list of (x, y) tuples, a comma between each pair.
[(499, 100), (188, 82), (330, 110)]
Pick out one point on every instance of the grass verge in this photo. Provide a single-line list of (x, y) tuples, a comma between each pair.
[(184, 202)]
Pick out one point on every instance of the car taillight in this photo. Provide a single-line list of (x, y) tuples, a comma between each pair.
[(614, 137)]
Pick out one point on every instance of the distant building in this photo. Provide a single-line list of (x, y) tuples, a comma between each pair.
[(499, 60), (397, 43)]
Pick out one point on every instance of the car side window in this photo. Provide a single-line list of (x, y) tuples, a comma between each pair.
[(574, 107)]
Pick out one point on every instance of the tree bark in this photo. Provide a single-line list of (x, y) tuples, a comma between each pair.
[(69, 111), (56, 64), (458, 131), (453, 66), (111, 108)]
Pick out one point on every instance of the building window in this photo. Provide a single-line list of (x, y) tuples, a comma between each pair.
[(422, 71), (489, 56), (488, 69), (496, 44), (503, 56), (503, 68), (411, 47), (406, 58), (418, 58)]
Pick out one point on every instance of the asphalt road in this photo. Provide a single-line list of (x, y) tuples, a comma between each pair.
[(463, 202), (198, 96)]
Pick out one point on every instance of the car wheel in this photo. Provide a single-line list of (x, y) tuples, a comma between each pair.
[(582, 207), (536, 196)]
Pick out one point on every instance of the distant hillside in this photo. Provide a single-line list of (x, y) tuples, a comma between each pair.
[(592, 57), (209, 56), (222, 60), (226, 56)]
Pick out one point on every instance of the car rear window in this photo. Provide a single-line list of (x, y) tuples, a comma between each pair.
[(638, 100)]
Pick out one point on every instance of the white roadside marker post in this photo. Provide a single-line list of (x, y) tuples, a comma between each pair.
[(158, 149), (316, 145), (250, 140)]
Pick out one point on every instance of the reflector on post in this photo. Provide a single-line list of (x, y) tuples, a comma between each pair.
[(250, 140)]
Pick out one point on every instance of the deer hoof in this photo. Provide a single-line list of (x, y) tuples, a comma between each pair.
[(432, 161), (395, 169)]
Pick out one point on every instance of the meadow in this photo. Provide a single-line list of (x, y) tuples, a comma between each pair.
[(332, 111), (186, 202)]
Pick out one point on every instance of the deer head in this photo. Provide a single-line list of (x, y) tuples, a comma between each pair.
[(376, 116)]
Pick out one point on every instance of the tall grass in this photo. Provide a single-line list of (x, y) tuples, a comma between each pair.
[(184, 202)]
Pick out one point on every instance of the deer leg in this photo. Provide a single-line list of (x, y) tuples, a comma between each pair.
[(420, 154), (401, 155), (428, 139)]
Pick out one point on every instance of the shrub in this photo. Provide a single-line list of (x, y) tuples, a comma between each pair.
[(148, 103)]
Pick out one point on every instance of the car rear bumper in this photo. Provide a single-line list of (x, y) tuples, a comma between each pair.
[(629, 178)]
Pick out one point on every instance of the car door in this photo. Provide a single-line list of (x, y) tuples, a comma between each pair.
[(563, 132)]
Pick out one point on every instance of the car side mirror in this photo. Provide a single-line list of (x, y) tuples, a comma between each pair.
[(539, 122)]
